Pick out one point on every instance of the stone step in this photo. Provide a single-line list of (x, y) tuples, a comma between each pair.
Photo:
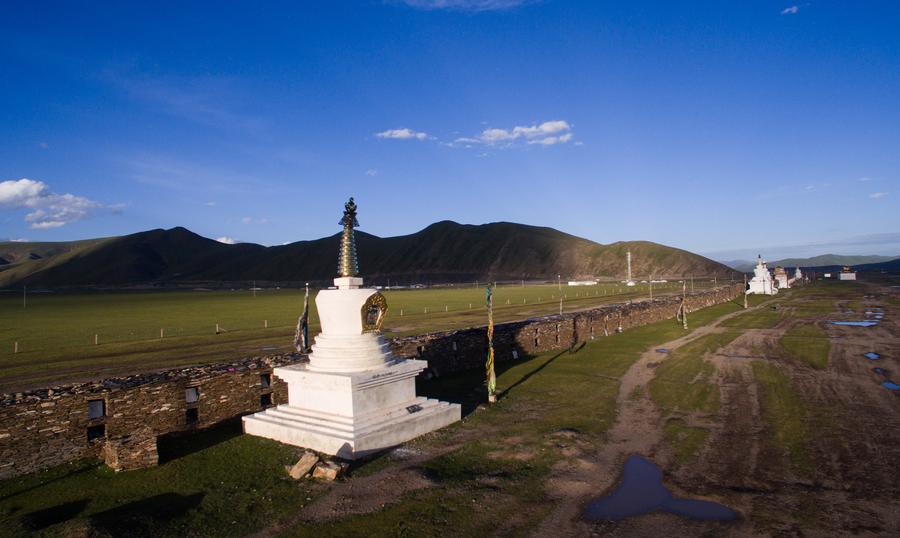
[(288, 414)]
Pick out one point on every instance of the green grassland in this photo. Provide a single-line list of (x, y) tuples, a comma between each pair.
[(807, 343), (55, 332), (221, 483), (684, 439), (682, 383), (785, 413)]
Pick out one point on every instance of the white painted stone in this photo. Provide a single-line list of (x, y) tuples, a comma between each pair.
[(762, 282), (353, 397)]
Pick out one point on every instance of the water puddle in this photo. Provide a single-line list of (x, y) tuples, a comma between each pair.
[(872, 356), (662, 350), (890, 385), (880, 371), (641, 491), (855, 323)]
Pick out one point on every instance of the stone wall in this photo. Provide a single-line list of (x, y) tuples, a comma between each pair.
[(455, 351), (43, 428)]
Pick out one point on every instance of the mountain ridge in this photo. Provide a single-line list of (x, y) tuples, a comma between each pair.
[(444, 251), (822, 260)]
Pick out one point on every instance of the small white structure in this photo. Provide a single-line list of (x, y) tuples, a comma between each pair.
[(781, 278), (798, 276), (847, 274), (582, 282), (628, 280), (762, 282), (353, 397)]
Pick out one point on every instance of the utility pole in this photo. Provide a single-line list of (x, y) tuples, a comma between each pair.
[(24, 296), (651, 287), (559, 282), (254, 288)]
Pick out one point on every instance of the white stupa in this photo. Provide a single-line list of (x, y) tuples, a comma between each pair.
[(781, 278), (353, 397), (628, 280), (762, 282)]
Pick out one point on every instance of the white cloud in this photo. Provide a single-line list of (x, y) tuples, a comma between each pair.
[(864, 179), (877, 195), (547, 133), (227, 240), (790, 10), (402, 134), (247, 220), (210, 204), (371, 172), (465, 5), (552, 140), (43, 145), (48, 209)]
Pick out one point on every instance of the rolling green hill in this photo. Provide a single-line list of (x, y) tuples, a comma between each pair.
[(443, 252)]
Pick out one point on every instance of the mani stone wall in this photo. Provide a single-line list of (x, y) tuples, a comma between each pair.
[(118, 419), (455, 351), (107, 419)]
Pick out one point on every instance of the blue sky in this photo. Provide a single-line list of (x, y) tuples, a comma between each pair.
[(727, 128)]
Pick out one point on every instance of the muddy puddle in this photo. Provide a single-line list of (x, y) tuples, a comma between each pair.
[(890, 385), (872, 356), (641, 491), (855, 323)]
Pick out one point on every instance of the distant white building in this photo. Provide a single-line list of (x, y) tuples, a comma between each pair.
[(798, 277), (582, 282), (847, 274), (762, 282), (781, 278)]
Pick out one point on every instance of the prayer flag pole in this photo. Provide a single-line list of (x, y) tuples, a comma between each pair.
[(491, 376)]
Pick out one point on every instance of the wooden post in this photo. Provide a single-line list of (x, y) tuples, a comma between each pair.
[(745, 290), (217, 328), (161, 333), (96, 340), (16, 347), (265, 324)]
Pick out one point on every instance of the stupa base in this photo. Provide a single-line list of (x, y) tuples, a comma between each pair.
[(351, 415)]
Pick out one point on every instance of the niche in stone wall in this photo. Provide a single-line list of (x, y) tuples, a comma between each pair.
[(191, 416), (192, 394), (96, 409), (265, 380), (96, 432), (265, 400)]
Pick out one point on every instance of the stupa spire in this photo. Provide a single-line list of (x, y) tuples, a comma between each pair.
[(347, 264)]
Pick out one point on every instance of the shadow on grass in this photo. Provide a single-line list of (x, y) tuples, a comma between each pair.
[(180, 444), (537, 370), (41, 519), (86, 466), (144, 517), (468, 388)]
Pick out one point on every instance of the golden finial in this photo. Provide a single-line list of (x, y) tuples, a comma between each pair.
[(347, 264)]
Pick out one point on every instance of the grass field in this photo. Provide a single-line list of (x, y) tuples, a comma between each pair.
[(55, 333), (221, 483)]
